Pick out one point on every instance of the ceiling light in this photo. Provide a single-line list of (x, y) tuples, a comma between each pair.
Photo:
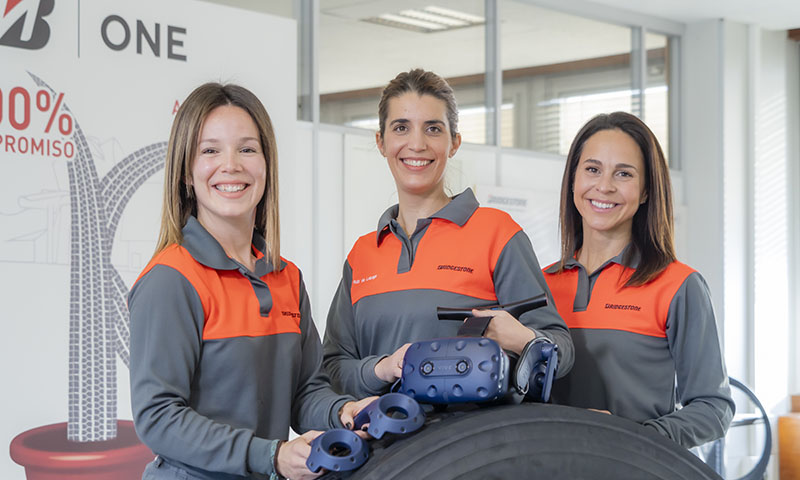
[(404, 21), (446, 12), (422, 15), (429, 19)]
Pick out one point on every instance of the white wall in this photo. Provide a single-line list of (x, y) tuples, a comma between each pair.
[(793, 186), (740, 118), (770, 219), (701, 153)]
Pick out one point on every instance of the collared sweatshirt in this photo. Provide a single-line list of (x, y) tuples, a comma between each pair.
[(461, 256), (640, 350), (224, 360)]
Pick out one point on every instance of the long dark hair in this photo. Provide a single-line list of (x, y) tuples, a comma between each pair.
[(652, 230)]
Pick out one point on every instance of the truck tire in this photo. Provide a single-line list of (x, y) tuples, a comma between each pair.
[(530, 441)]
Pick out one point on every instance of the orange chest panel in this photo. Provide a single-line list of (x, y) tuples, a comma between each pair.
[(642, 309), (230, 304), (449, 257)]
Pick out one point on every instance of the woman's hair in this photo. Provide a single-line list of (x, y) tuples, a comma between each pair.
[(652, 230), (179, 200), (422, 83)]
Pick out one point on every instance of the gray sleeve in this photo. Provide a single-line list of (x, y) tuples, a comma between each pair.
[(349, 372), (166, 317), (315, 405), (517, 276), (700, 369)]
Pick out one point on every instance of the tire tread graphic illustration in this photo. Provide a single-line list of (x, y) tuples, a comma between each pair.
[(99, 325)]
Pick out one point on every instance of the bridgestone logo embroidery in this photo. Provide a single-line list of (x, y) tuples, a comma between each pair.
[(454, 268), (614, 306)]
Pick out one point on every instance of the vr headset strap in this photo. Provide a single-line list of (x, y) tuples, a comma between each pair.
[(474, 327)]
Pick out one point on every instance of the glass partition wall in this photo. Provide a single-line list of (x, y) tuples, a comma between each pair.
[(526, 76)]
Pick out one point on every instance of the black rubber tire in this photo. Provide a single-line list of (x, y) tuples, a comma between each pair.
[(531, 441)]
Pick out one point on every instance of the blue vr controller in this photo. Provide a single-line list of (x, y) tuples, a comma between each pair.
[(535, 369), (393, 413), (470, 368), (341, 450), (337, 450)]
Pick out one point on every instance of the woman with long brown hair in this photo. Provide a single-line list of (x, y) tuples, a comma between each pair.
[(642, 322), (429, 250), (224, 353)]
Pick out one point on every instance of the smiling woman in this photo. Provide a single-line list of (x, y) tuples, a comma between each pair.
[(643, 322), (228, 178), (417, 144), (217, 305), (394, 279), (608, 189)]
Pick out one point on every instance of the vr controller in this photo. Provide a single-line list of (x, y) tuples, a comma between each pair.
[(393, 413), (341, 450), (337, 450), (475, 369)]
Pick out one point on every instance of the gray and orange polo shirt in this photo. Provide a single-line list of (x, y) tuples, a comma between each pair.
[(461, 256), (223, 360), (640, 350)]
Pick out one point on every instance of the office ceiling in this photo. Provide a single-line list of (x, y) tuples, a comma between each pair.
[(769, 14)]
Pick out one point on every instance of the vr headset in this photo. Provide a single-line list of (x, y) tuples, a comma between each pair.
[(471, 368), (467, 368)]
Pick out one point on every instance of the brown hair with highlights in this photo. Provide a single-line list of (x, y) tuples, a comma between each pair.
[(179, 201)]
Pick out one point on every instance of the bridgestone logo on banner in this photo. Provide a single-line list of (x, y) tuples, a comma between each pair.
[(22, 24)]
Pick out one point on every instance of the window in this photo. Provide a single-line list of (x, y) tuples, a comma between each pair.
[(559, 70), (362, 46)]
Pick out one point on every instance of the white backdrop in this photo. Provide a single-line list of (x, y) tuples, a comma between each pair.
[(122, 100)]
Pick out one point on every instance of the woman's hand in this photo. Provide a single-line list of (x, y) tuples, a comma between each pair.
[(350, 410), (506, 330), (290, 461), (390, 368)]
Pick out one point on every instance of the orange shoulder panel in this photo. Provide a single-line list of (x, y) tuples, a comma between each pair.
[(642, 309), (563, 287), (459, 259), (230, 305), (237, 313)]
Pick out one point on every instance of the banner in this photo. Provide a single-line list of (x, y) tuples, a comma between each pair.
[(88, 90), (534, 210)]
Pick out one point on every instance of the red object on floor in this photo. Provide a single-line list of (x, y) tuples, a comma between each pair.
[(46, 454)]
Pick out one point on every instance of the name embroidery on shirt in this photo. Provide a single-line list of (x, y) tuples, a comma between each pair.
[(287, 313), (356, 281)]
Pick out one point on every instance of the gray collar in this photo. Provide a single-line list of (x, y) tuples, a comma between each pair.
[(625, 259), (204, 248), (458, 210)]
